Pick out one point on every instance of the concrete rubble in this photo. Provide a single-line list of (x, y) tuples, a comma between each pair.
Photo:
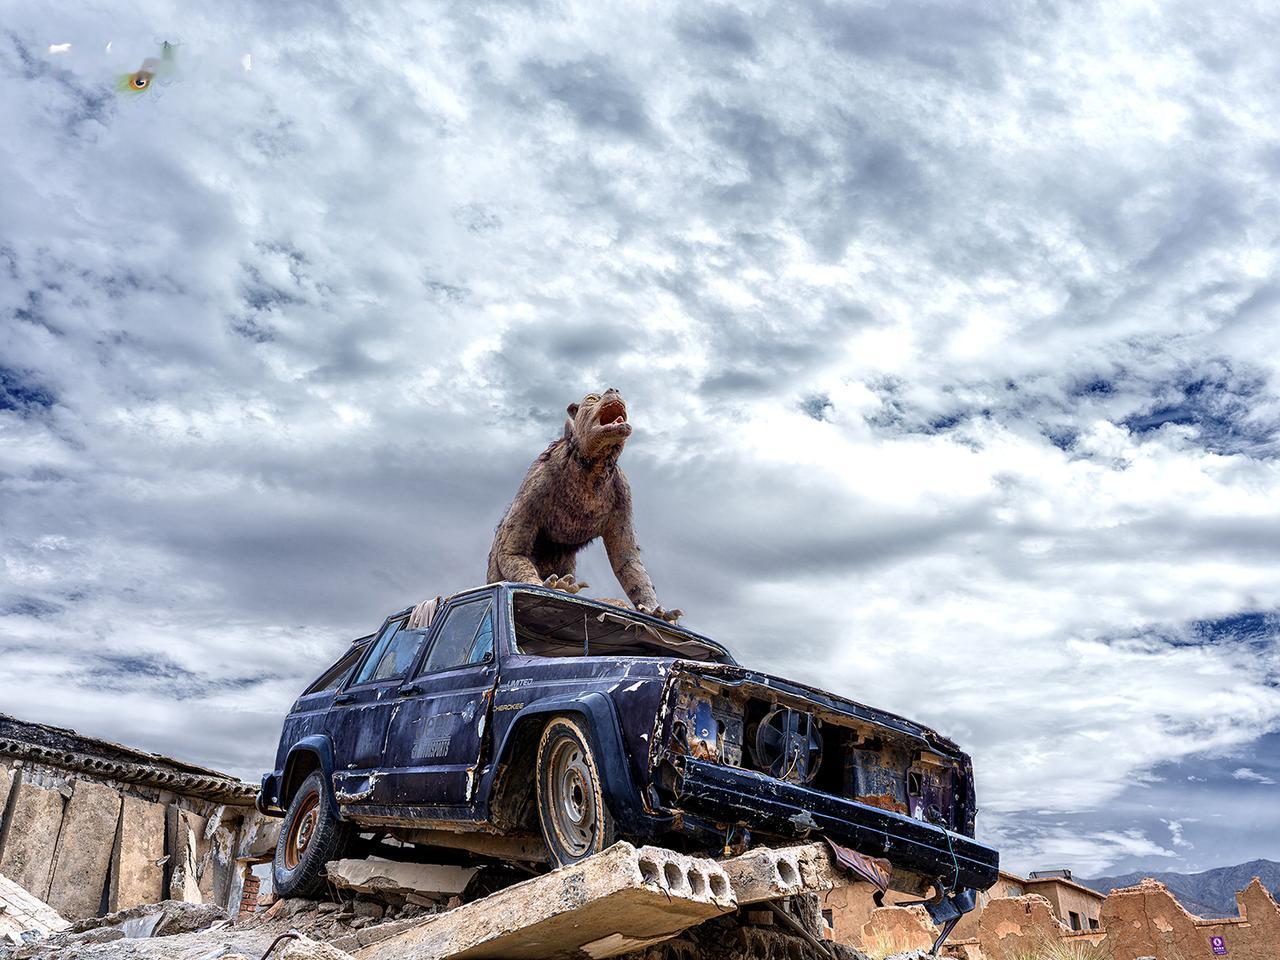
[(416, 882), (620, 900), (644, 904), (769, 873), (165, 919), (24, 918)]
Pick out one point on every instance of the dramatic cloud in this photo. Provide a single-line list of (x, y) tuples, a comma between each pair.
[(949, 336)]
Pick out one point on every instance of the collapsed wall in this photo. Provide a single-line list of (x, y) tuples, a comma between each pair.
[(1147, 920), (91, 827), (1138, 922)]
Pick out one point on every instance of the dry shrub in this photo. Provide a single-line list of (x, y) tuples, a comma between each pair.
[(883, 943), (1051, 948)]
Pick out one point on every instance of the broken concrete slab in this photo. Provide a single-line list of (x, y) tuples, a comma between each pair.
[(35, 818), (769, 873), (25, 917), (184, 858), (200, 852), (620, 900), (82, 859), (137, 873), (163, 919), (388, 876), (367, 936), (257, 841), (166, 919), (304, 948), (217, 871)]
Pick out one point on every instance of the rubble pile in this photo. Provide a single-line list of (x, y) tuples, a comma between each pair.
[(643, 903)]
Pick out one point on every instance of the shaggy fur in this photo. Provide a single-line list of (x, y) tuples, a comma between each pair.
[(574, 492)]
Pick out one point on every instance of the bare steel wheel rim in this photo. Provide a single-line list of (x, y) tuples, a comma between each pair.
[(572, 800), (302, 830)]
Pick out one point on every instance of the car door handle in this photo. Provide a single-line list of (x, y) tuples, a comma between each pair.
[(344, 698)]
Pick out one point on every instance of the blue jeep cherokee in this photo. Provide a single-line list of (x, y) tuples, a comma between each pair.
[(524, 724)]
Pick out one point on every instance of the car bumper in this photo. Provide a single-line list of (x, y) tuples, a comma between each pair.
[(731, 795), (268, 799)]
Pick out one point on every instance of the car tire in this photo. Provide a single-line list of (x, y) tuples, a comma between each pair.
[(575, 817), (310, 836)]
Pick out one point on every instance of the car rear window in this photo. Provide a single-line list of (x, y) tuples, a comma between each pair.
[(553, 626)]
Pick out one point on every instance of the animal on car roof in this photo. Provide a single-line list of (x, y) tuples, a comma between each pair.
[(573, 493)]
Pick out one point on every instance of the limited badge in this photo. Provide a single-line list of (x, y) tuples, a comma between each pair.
[(1218, 945)]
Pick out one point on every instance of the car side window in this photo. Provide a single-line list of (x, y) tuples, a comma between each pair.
[(392, 653), (465, 637)]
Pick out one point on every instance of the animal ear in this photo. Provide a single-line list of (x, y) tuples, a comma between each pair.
[(572, 410)]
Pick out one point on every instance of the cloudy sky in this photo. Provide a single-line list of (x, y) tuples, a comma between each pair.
[(948, 333)]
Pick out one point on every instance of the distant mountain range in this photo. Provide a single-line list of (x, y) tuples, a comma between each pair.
[(1209, 894)]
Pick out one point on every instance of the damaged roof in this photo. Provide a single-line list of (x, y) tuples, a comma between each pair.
[(61, 747)]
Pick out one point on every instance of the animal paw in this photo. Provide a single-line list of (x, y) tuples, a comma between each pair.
[(671, 616), (566, 583)]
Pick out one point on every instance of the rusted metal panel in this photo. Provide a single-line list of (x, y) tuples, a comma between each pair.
[(875, 870)]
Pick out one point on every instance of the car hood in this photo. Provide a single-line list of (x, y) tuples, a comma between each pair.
[(622, 673), (734, 675)]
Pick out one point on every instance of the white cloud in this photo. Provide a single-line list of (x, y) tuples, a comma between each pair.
[(1175, 834), (1087, 853), (1245, 773)]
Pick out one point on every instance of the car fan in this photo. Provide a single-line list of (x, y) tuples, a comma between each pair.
[(789, 745)]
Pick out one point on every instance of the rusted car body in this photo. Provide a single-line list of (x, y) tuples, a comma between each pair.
[(693, 749)]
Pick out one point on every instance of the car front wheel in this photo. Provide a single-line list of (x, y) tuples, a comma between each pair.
[(310, 837), (571, 806)]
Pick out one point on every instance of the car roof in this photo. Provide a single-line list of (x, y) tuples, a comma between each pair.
[(614, 608)]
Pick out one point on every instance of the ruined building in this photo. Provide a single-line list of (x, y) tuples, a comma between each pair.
[(90, 827)]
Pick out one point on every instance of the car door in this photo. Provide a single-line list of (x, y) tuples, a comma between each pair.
[(436, 736), (357, 721)]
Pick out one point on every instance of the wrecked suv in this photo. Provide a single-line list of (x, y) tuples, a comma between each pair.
[(529, 726)]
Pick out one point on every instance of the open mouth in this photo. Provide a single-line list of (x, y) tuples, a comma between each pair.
[(612, 413)]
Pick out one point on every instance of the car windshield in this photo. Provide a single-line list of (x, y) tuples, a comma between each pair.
[(548, 626)]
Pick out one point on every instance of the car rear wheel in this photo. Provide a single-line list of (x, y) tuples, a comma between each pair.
[(571, 806), (310, 837)]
